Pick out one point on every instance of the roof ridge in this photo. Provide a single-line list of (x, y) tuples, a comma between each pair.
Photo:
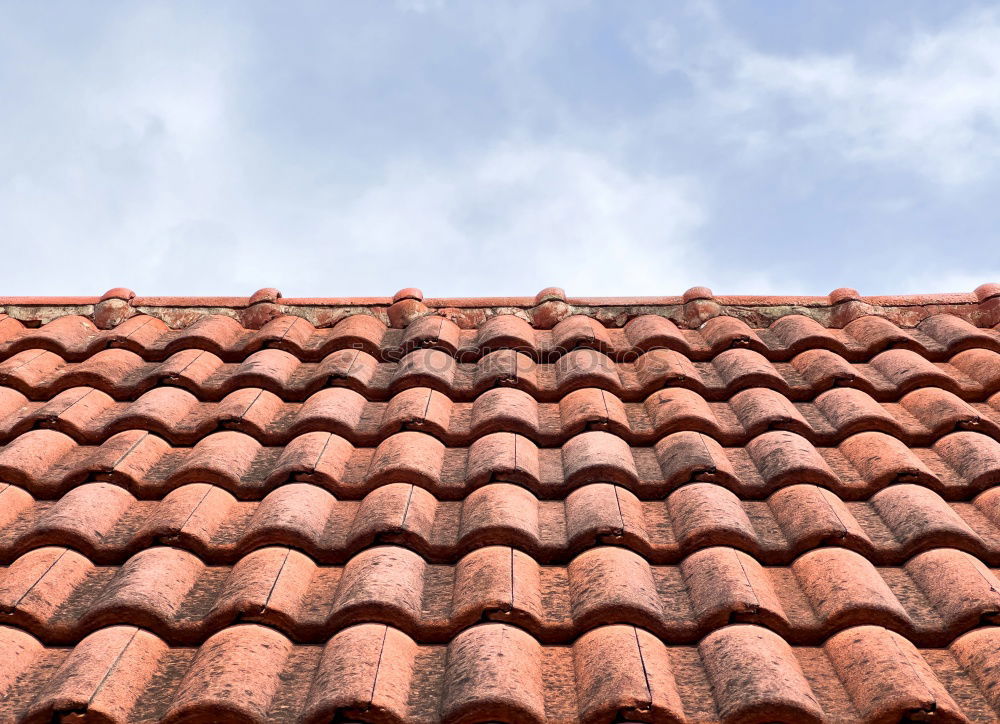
[(543, 311)]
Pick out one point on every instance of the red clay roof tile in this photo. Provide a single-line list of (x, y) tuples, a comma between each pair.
[(551, 509)]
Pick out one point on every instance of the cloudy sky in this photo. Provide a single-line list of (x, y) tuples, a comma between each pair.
[(479, 148)]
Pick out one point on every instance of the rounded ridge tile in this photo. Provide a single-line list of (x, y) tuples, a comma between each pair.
[(844, 294), (985, 292), (505, 409), (690, 456), (810, 516), (974, 457), (887, 678), (756, 677), (704, 515), (148, 590), (103, 677), (550, 294), (625, 673), (696, 293), (268, 294), (503, 512), (651, 331), (881, 460), (598, 457), (21, 651), (493, 672), (979, 652), (408, 456), (846, 590), (920, 517), (784, 457), (963, 591), (292, 514), (387, 580), (366, 670), (675, 409), (234, 674), (610, 585), (503, 457), (728, 586)]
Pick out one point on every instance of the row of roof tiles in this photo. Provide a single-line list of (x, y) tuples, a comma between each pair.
[(39, 374), (60, 596), (108, 525), (48, 463), (90, 415), (741, 673), (75, 337)]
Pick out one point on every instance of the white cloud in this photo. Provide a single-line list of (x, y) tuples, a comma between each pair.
[(155, 185), (112, 149), (932, 107), (149, 191), (516, 218), (174, 153), (943, 280), (420, 6)]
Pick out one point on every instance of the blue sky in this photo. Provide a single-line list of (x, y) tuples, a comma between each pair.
[(480, 148)]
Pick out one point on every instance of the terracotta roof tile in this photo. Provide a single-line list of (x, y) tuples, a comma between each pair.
[(682, 509)]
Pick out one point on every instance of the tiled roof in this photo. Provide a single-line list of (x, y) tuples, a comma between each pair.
[(691, 508)]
